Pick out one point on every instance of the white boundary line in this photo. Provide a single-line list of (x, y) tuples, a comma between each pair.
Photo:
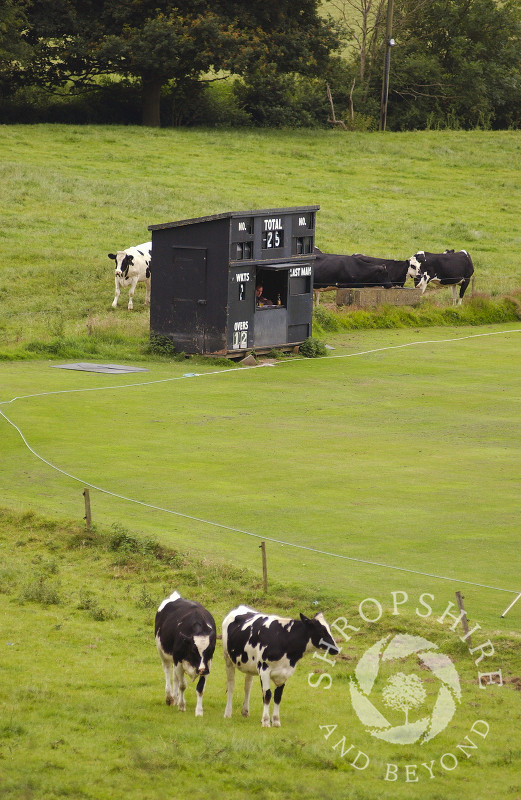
[(240, 530), (238, 370)]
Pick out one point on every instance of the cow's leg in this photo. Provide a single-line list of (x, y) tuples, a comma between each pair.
[(230, 684), (248, 681), (175, 691), (131, 291), (422, 283), (180, 685), (116, 296), (147, 292), (264, 675), (200, 691), (168, 663), (277, 697)]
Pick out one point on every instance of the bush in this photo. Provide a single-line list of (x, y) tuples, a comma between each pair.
[(272, 100), (160, 346), (313, 348), (326, 320), (360, 122), (41, 589), (124, 542), (114, 103)]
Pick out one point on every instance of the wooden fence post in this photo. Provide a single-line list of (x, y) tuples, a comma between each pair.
[(464, 620), (264, 566), (87, 517)]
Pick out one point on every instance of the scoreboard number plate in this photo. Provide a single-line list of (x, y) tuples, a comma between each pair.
[(272, 233), (240, 340), (272, 239)]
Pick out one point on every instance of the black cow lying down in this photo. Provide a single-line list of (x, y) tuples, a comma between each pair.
[(397, 271), (270, 647), (185, 638), (448, 269), (347, 272)]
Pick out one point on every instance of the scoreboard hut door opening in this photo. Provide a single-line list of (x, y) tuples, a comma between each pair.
[(235, 281)]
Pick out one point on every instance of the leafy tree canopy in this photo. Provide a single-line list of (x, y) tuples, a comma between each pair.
[(75, 41), (12, 25), (457, 62)]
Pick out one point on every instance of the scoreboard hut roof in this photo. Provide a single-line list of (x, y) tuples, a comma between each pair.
[(232, 214)]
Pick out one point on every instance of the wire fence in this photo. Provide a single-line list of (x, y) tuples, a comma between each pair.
[(242, 531)]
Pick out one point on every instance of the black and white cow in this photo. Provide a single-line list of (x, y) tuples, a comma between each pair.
[(449, 269), (397, 271), (348, 272), (270, 647), (132, 266), (185, 638)]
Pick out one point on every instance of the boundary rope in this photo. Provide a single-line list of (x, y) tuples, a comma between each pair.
[(240, 530), (239, 370)]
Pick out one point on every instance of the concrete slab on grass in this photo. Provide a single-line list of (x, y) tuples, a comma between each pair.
[(113, 369)]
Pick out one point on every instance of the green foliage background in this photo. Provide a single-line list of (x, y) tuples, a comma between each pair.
[(456, 63)]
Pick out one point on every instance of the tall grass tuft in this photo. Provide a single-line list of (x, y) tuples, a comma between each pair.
[(41, 589), (481, 309)]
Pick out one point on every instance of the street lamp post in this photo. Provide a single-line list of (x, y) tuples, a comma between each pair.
[(389, 43)]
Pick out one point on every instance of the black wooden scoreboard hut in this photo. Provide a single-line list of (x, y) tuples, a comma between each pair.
[(207, 272)]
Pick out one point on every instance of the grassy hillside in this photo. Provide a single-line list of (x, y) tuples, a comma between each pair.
[(72, 194), (82, 712)]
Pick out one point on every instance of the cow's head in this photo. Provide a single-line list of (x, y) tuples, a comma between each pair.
[(319, 633), (417, 260), (198, 651), (415, 266), (123, 262), (413, 270)]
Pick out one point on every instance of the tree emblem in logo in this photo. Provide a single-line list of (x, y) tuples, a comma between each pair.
[(404, 692)]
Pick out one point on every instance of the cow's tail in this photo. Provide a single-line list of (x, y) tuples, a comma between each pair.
[(463, 287)]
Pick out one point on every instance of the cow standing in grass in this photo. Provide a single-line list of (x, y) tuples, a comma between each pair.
[(185, 638), (132, 267), (270, 647), (448, 269)]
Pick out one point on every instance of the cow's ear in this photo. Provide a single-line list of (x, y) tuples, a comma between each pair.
[(304, 618), (112, 256)]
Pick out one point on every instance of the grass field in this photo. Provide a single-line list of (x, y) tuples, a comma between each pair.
[(70, 195), (407, 456), (401, 448)]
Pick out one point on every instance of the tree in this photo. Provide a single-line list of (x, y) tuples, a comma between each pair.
[(13, 49), (364, 24), (457, 63), (404, 692), (156, 41)]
